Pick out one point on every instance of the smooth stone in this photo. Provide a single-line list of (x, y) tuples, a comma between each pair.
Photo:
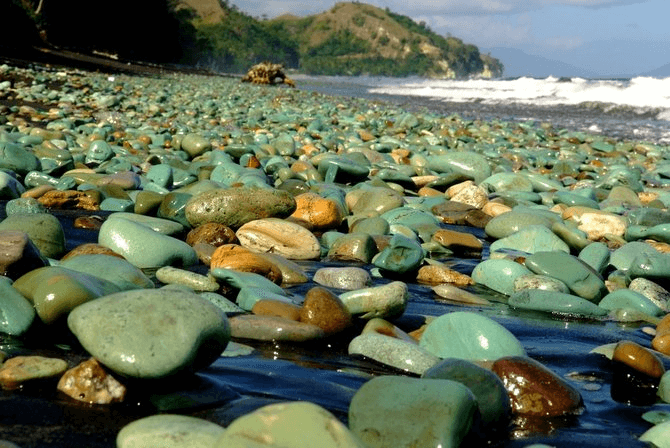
[(342, 278), (531, 239), (580, 278), (664, 388), (470, 336), (325, 310), (639, 358), (90, 249), (281, 237), (242, 280), (651, 291), (111, 268), (90, 383), (486, 386), (17, 313), (370, 226), (161, 175), (373, 201), (386, 328), (511, 222), (456, 294), (573, 237), (434, 412), (596, 255), (18, 254), (435, 274), (169, 431), (317, 212), (54, 291), (658, 435), (596, 223), (147, 202), (197, 282), (117, 205), (10, 188), (195, 145), (660, 232), (555, 302), (237, 206), (221, 302), (424, 224), (173, 207), (44, 230), (542, 282), (650, 265), (623, 257), (211, 233), (459, 242), (273, 328), (296, 425), (277, 308), (507, 181), (385, 301), (24, 205), (292, 273), (153, 333), (238, 258), (534, 390), (402, 256), (627, 299), (16, 158), (468, 163), (20, 369), (144, 247), (471, 194), (353, 247), (160, 225), (573, 199), (98, 151), (499, 275)]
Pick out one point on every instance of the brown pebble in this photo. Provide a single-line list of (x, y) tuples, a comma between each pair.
[(38, 191), (320, 213), (458, 242), (18, 370), (269, 307), (90, 249), (204, 252), (90, 383), (534, 390), (238, 258), (69, 199), (435, 275), (325, 310), (211, 233), (88, 222), (661, 343), (272, 328), (638, 358)]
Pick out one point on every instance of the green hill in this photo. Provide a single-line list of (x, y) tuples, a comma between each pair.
[(348, 39)]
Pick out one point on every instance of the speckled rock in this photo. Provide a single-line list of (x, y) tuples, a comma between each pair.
[(342, 278), (90, 383), (280, 237), (385, 301)]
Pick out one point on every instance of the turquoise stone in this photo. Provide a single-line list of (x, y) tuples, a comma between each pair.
[(576, 274), (17, 312), (627, 299), (657, 435), (470, 336), (511, 222), (531, 239), (507, 182), (16, 158), (117, 205), (573, 237), (195, 145), (10, 188), (24, 205), (169, 431), (160, 225), (98, 151), (151, 333), (144, 247), (572, 199), (555, 302), (596, 255), (44, 230), (433, 412), (173, 207), (393, 352), (161, 175), (664, 387), (401, 256), (113, 269), (467, 163), (660, 232), (422, 223), (499, 275), (486, 386), (623, 257), (651, 265)]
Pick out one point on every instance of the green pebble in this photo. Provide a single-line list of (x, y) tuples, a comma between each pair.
[(169, 431), (17, 312), (499, 275), (627, 299), (555, 302), (401, 256)]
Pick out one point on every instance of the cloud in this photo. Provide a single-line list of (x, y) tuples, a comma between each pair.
[(486, 31)]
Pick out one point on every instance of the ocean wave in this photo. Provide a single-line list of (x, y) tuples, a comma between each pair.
[(644, 96)]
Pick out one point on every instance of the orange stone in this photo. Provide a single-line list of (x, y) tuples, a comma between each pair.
[(459, 242), (69, 199), (661, 343), (427, 191), (18, 370), (238, 258), (320, 213), (664, 325), (325, 310), (435, 275), (269, 307), (90, 383), (639, 358), (381, 326)]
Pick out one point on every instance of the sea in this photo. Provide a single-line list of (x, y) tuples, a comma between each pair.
[(621, 108)]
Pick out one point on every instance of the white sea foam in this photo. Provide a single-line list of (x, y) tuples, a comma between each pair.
[(642, 94)]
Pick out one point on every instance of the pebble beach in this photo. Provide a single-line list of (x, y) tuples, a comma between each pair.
[(194, 261)]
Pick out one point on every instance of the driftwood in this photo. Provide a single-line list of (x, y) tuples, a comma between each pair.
[(267, 73)]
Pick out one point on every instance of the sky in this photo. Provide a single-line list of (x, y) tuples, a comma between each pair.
[(597, 37)]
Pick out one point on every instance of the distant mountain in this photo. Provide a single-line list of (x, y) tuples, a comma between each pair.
[(517, 63), (661, 72), (349, 39)]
